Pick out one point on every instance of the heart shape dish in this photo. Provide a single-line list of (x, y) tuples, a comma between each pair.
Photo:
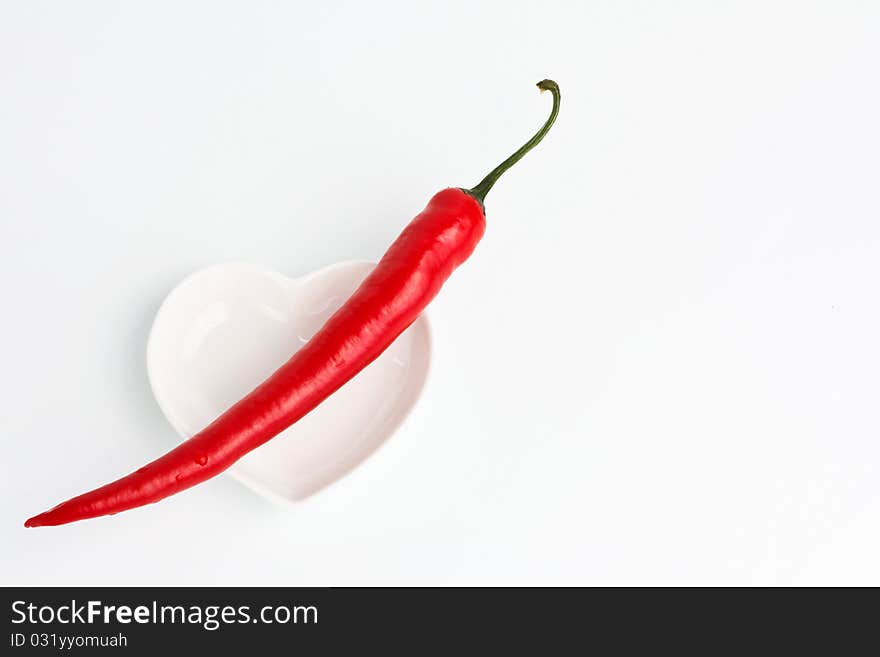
[(224, 329)]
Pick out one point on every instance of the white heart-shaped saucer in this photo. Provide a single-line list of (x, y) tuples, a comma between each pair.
[(224, 329)]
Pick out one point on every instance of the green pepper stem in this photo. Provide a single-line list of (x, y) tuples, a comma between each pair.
[(479, 192)]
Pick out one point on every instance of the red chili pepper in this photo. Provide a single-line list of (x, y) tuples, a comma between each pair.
[(407, 277)]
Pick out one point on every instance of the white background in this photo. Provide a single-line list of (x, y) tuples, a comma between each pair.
[(661, 365)]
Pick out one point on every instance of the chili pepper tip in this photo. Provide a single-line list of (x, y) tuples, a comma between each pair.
[(40, 520)]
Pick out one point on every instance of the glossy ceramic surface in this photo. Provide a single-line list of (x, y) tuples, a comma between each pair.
[(224, 329)]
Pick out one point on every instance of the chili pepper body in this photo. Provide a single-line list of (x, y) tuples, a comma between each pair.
[(405, 280)]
